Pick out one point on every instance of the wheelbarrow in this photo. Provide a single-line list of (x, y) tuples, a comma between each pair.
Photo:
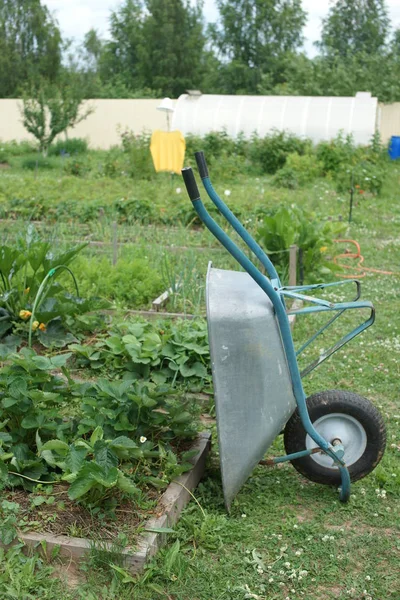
[(333, 437)]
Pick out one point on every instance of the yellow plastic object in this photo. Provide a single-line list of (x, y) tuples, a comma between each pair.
[(168, 151)]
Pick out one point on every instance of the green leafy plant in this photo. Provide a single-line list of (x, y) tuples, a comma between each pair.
[(137, 151), (87, 434), (298, 170), (71, 146), (8, 520), (24, 267), (365, 177), (78, 166), (37, 161), (313, 236), (175, 353), (271, 152), (132, 283), (336, 153)]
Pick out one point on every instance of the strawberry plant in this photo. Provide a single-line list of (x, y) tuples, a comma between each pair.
[(99, 437), (164, 353)]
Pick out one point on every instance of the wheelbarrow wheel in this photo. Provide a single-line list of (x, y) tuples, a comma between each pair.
[(344, 416)]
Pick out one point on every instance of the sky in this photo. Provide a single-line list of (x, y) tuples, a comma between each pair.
[(76, 17)]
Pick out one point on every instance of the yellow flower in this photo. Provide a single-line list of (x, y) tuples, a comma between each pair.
[(28, 289), (42, 327), (35, 325), (323, 249), (24, 314)]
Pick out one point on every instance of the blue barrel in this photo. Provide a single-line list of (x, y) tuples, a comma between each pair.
[(394, 147)]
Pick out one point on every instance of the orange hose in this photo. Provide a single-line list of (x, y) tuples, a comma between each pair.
[(361, 271)]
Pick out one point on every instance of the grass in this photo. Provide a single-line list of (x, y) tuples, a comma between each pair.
[(286, 538)]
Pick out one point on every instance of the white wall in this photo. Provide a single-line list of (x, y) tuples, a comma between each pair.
[(100, 128)]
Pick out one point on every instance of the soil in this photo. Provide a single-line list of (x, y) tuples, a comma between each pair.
[(68, 518)]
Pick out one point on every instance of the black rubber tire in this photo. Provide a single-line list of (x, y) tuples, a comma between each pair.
[(336, 401)]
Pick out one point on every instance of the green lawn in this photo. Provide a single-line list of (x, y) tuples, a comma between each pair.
[(286, 538)]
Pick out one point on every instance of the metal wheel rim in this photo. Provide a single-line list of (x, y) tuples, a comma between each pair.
[(339, 426)]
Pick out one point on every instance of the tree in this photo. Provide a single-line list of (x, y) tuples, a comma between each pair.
[(253, 38), (119, 61), (354, 27), (172, 56), (50, 109), (30, 45)]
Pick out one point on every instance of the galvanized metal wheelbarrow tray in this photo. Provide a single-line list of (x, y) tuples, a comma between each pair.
[(256, 376)]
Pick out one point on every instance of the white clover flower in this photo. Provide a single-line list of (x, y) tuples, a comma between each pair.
[(270, 580), (368, 578), (143, 439), (178, 190), (244, 516), (287, 565), (227, 192), (303, 573)]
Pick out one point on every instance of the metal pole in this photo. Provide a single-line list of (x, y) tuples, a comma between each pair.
[(351, 195)]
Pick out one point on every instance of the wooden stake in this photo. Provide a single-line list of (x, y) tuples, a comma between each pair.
[(293, 265), (114, 243)]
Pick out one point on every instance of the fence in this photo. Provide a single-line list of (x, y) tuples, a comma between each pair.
[(101, 128), (109, 117)]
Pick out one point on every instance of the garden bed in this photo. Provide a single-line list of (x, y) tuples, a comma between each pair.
[(148, 535)]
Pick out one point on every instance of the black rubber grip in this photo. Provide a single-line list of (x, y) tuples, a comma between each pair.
[(201, 164), (190, 182)]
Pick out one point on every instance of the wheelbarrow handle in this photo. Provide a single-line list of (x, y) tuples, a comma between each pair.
[(233, 221), (191, 184)]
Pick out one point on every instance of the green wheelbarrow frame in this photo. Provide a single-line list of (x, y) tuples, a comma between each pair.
[(271, 286)]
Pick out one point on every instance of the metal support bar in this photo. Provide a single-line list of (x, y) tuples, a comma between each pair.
[(281, 459)]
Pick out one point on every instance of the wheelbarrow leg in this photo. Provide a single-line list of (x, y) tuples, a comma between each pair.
[(338, 451)]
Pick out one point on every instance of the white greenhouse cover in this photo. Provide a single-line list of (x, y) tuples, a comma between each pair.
[(318, 118)]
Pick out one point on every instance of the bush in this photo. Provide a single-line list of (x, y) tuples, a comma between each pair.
[(115, 163), (18, 148), (38, 161), (336, 153), (78, 167), (365, 177), (137, 151), (132, 209), (298, 170), (70, 146), (295, 225), (3, 157), (270, 153)]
